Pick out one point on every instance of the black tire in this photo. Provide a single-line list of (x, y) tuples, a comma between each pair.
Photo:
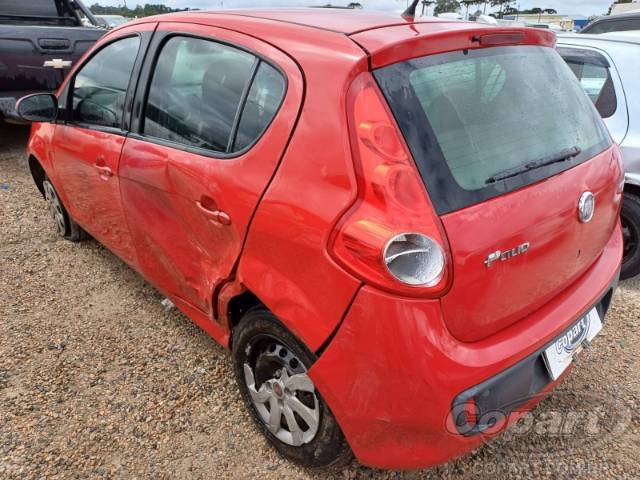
[(254, 340), (65, 226), (630, 216)]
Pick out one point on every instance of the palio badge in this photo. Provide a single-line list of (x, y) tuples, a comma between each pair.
[(506, 254)]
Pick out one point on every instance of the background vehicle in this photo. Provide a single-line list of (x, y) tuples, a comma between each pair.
[(614, 23), (39, 42), (376, 293), (607, 68), (111, 21)]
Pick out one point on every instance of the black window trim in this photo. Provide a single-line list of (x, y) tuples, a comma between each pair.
[(67, 119), (584, 55), (144, 86)]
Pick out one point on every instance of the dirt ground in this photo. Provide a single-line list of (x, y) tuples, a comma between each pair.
[(98, 380)]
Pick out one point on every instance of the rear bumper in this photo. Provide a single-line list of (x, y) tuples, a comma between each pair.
[(393, 371)]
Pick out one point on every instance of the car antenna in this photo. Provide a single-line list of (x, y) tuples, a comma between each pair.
[(410, 13)]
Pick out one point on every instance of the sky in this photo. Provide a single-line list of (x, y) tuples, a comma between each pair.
[(568, 7)]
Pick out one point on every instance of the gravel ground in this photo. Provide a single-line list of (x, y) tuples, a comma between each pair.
[(97, 379)]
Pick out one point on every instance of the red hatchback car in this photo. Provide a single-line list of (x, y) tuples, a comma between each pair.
[(404, 230)]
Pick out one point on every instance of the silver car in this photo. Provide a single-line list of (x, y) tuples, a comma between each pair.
[(608, 67)]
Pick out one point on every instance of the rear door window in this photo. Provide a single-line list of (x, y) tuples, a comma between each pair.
[(594, 73), (263, 101), (196, 92), (469, 116), (211, 96)]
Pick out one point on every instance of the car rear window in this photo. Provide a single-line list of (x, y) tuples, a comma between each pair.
[(470, 115), (34, 8), (613, 25), (594, 73)]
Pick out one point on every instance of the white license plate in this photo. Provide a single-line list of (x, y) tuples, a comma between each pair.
[(559, 355)]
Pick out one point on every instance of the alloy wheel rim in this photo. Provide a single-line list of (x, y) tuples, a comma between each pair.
[(55, 207), (631, 238), (282, 393)]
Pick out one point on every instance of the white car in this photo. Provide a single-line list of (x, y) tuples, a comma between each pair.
[(607, 67), (111, 21)]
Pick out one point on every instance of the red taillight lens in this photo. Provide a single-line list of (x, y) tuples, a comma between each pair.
[(471, 411), (392, 211), (505, 38)]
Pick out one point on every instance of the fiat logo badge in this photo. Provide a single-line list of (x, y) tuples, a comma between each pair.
[(586, 207)]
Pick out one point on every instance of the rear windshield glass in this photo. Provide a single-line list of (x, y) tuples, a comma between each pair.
[(614, 25), (469, 116), (35, 8)]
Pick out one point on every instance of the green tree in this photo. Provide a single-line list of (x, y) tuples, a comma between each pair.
[(614, 3), (139, 11), (467, 4), (425, 5), (502, 4), (484, 5), (445, 6)]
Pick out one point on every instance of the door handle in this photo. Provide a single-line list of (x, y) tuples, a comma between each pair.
[(105, 172), (217, 216)]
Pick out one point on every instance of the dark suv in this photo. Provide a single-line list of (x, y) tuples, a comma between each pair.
[(39, 42)]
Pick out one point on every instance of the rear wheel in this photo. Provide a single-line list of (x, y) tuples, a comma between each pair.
[(271, 371), (63, 223), (630, 218)]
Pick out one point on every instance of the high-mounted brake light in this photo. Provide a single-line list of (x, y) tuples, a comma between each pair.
[(505, 38), (391, 237)]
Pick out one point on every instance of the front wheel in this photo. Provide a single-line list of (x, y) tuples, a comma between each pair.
[(271, 368), (630, 218)]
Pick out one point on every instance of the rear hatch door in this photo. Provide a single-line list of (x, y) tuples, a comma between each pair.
[(507, 143)]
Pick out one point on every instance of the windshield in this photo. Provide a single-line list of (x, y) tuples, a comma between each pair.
[(468, 116)]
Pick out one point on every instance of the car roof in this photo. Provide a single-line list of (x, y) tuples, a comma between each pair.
[(384, 38), (346, 21)]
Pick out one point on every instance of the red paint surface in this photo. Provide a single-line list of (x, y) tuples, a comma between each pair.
[(485, 300)]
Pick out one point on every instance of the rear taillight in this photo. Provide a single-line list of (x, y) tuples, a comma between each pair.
[(391, 237)]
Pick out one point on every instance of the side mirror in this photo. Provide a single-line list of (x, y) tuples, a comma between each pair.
[(38, 107)]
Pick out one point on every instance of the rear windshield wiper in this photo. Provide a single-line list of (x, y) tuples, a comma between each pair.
[(561, 156)]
